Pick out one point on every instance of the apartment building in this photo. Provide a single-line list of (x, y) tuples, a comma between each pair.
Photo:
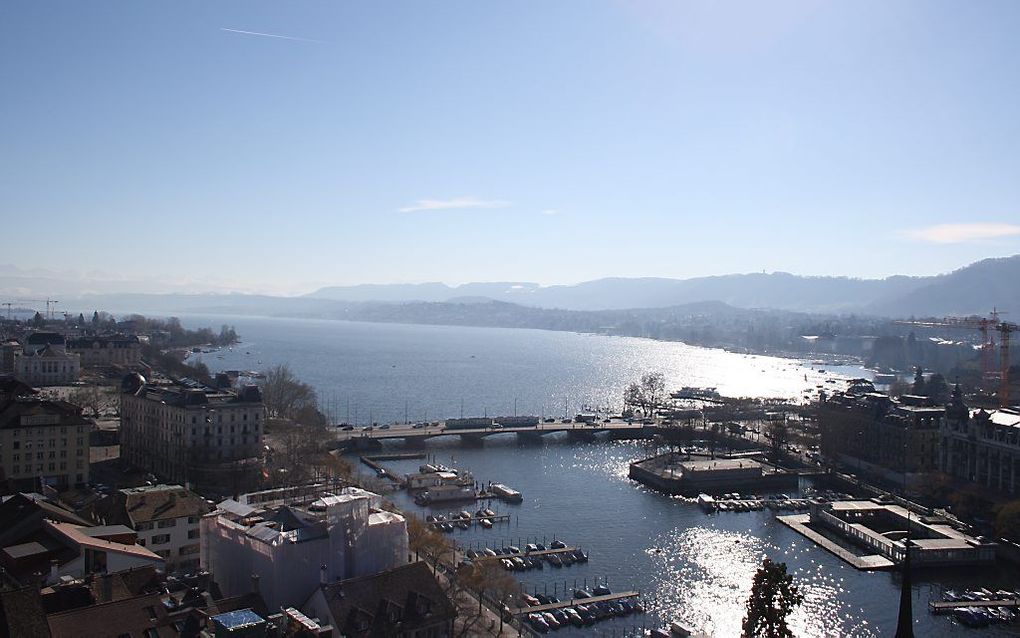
[(42, 442), (188, 433), (107, 350), (165, 517), (982, 446)]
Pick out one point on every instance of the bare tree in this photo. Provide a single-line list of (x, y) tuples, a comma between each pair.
[(284, 395), (92, 399)]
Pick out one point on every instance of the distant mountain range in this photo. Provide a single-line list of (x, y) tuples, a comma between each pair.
[(974, 289)]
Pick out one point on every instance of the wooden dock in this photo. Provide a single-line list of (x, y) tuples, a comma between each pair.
[(563, 604), (947, 606)]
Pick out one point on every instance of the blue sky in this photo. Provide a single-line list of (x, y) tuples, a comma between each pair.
[(539, 141)]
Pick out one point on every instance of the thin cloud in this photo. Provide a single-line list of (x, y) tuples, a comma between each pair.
[(963, 233), (550, 211), (271, 35), (456, 203)]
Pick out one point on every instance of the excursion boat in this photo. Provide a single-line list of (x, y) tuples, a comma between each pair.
[(505, 493), (706, 502)]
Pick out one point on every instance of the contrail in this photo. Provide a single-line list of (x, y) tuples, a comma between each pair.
[(271, 35)]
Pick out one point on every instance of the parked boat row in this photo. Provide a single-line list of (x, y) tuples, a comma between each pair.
[(579, 615), (983, 616), (464, 520), (734, 502)]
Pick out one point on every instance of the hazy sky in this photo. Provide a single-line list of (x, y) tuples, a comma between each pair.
[(277, 146)]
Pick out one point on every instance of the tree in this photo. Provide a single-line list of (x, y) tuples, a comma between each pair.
[(1007, 521), (919, 385), (91, 398), (937, 389), (778, 434), (95, 318), (81, 319), (653, 386), (38, 320), (486, 578), (773, 598), (284, 396)]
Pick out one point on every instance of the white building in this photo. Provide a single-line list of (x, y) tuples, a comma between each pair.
[(293, 550), (49, 365), (165, 517)]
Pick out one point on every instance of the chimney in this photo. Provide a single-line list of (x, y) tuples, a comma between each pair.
[(53, 571), (322, 575), (254, 583)]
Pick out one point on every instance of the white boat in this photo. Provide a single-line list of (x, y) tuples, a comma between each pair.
[(505, 493), (706, 502)]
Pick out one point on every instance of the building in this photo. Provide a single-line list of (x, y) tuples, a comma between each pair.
[(49, 365), (193, 435), (293, 549), (403, 602), (884, 528), (43, 442), (118, 350), (981, 447), (165, 517), (41, 542), (9, 351), (143, 603), (896, 440)]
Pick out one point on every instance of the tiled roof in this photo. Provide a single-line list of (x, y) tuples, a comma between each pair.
[(363, 606), (74, 534), (22, 614), (150, 503)]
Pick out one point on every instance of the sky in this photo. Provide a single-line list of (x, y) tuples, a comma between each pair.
[(278, 147)]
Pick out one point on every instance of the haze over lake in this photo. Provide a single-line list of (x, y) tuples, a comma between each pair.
[(374, 369)]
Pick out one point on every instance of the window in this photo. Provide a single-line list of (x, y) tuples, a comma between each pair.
[(192, 534), (172, 522), (17, 445), (160, 539), (17, 457)]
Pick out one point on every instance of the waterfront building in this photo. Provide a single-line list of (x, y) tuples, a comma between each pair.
[(293, 549), (165, 517), (676, 473), (980, 446), (403, 602), (191, 434), (42, 442), (885, 528), (896, 440), (107, 350)]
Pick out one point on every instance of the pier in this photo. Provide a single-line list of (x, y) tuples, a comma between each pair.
[(947, 607), (474, 519), (868, 562), (563, 604), (539, 554)]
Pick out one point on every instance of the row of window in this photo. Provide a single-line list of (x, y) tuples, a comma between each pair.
[(41, 467), (52, 454), (41, 431)]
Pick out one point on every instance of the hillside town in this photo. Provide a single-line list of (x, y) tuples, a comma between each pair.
[(143, 491), (143, 497)]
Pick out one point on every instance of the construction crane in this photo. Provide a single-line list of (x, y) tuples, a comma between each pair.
[(985, 326), (47, 301)]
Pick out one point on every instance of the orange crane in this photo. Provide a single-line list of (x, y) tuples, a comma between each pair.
[(985, 326)]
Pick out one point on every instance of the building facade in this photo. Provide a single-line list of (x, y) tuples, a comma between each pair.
[(50, 365), (193, 434), (878, 435), (43, 442), (982, 447), (292, 550), (107, 350), (165, 517)]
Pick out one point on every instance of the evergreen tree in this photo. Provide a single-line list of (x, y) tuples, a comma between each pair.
[(81, 319), (773, 598), (38, 320), (95, 318), (919, 385)]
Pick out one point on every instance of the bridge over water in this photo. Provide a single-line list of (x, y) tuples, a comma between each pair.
[(411, 434)]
